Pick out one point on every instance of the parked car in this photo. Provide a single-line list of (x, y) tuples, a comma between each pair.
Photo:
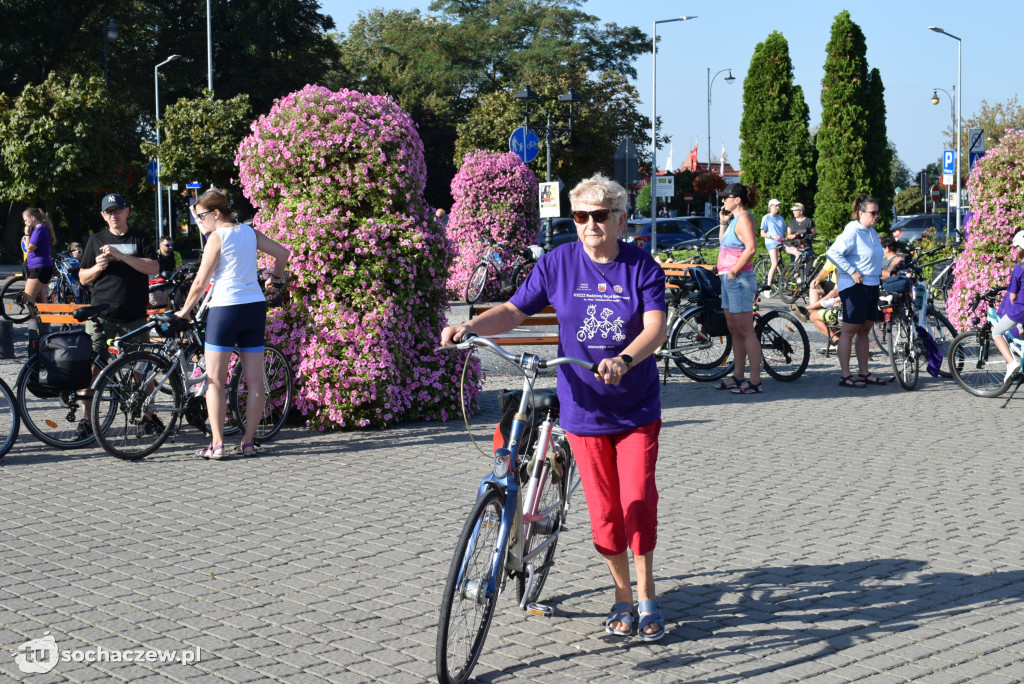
[(910, 228), (563, 230), (670, 231)]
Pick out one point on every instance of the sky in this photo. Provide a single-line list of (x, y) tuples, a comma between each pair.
[(912, 60)]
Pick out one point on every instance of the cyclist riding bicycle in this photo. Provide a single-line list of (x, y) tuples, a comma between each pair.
[(1011, 309)]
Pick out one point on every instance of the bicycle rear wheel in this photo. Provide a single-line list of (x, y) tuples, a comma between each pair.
[(882, 331), (13, 306), (520, 274), (279, 384), (148, 397), (976, 364), (699, 355), (466, 612), (761, 269), (785, 349), (9, 420), (477, 283), (52, 416), (905, 355), (789, 289), (551, 494)]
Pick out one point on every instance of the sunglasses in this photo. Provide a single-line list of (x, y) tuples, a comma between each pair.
[(201, 216), (873, 213), (600, 215)]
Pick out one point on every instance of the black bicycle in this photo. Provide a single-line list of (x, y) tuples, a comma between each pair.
[(63, 288), (492, 260)]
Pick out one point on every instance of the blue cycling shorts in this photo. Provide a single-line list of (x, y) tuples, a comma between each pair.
[(236, 325)]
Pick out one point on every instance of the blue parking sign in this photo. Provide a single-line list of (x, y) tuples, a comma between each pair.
[(949, 162)]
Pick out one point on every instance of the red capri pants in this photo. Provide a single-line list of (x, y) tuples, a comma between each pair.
[(617, 471)]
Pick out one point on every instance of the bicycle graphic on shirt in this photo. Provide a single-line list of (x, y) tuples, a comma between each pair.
[(592, 325)]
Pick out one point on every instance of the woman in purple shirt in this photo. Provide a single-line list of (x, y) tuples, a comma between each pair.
[(610, 299), (39, 264)]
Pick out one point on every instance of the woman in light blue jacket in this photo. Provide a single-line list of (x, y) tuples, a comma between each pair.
[(857, 254)]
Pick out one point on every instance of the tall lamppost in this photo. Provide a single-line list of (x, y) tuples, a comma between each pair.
[(711, 81), (952, 102), (159, 202), (570, 98), (110, 33), (654, 126), (959, 118), (209, 51)]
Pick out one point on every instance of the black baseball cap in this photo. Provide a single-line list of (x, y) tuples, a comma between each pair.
[(734, 190), (113, 200)]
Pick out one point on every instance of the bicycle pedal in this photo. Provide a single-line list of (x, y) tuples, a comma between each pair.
[(540, 609)]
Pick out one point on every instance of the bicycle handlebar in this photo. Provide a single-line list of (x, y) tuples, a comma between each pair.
[(471, 340)]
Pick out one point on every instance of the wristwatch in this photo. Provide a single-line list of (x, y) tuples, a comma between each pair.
[(627, 359)]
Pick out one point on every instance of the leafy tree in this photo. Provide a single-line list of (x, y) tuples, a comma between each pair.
[(899, 172), (643, 201), (996, 120), (842, 137), (909, 200), (53, 140), (879, 153), (775, 147), (199, 138)]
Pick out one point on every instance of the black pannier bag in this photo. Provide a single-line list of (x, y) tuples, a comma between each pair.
[(709, 287), (65, 360)]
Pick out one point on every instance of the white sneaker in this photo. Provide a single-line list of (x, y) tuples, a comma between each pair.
[(1011, 371)]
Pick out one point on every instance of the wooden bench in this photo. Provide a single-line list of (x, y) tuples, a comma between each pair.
[(547, 318), (60, 314), (519, 337)]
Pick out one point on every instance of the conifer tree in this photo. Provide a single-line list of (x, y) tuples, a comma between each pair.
[(775, 143), (843, 134), (879, 153)]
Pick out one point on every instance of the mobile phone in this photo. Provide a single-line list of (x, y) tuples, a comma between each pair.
[(726, 214)]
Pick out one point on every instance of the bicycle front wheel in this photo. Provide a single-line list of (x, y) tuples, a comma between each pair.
[(976, 364), (550, 494), (882, 331), (12, 295), (466, 610), (520, 274), (785, 349), (9, 421), (700, 356), (789, 289), (477, 283), (146, 391), (279, 385), (761, 269), (904, 355)]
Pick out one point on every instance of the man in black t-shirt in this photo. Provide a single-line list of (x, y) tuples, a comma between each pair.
[(117, 264)]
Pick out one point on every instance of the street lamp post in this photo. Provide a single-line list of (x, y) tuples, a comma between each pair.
[(959, 118), (209, 51), (159, 201), (110, 33), (952, 120), (711, 81), (654, 126)]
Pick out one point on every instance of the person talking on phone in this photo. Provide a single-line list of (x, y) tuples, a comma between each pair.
[(739, 285)]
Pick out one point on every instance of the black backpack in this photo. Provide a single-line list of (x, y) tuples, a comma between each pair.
[(65, 360)]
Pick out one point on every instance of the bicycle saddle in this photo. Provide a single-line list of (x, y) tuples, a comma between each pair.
[(541, 398), (87, 313)]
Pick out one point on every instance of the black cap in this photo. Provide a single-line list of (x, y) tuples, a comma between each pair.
[(735, 190), (113, 200)]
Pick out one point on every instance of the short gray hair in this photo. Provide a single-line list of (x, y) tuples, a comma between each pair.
[(599, 189)]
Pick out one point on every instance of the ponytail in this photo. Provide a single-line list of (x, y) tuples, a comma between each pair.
[(41, 217)]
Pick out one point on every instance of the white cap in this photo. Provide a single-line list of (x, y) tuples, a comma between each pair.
[(1018, 239), (773, 201)]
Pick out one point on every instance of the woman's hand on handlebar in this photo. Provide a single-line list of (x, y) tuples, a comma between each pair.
[(611, 370), (453, 334)]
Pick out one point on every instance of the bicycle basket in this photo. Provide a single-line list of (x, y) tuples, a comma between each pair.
[(897, 283)]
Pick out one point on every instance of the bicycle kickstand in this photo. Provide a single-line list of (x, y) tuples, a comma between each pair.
[(1020, 381)]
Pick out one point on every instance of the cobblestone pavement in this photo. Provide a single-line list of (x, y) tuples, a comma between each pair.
[(809, 534)]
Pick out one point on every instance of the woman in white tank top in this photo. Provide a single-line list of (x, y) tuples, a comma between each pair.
[(237, 315)]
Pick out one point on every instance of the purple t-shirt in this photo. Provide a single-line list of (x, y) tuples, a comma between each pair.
[(41, 239), (1015, 310), (600, 311)]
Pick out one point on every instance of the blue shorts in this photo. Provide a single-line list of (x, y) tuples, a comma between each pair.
[(738, 294), (237, 325), (860, 303)]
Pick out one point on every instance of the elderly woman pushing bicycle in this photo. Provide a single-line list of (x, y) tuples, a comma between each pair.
[(610, 299)]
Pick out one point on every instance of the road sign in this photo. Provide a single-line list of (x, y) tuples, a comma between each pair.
[(948, 167), (664, 186), (936, 193), (687, 198), (193, 186), (976, 140), (973, 157), (151, 172), (525, 144)]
